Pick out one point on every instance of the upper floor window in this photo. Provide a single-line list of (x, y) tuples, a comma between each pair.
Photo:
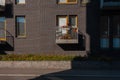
[(70, 21), (20, 1), (2, 2), (111, 3), (67, 1), (111, 0)]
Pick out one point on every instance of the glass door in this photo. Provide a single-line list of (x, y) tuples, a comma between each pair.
[(110, 32), (116, 31), (104, 32)]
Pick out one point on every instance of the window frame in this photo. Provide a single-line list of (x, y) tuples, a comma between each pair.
[(76, 19), (61, 16), (67, 18), (4, 39), (67, 2), (17, 34), (20, 3)]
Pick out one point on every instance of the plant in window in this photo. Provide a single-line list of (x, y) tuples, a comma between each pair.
[(64, 26), (66, 36), (74, 29)]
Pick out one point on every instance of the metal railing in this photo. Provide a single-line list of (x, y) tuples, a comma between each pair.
[(67, 34), (9, 39), (6, 37)]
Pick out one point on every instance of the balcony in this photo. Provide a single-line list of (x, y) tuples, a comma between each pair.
[(67, 35), (110, 4), (2, 5), (6, 40)]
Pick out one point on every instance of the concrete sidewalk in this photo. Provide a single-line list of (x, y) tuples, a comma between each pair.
[(61, 64)]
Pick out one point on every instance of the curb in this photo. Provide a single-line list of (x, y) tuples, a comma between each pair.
[(36, 64), (60, 64)]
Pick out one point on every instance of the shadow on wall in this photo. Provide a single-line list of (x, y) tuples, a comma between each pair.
[(92, 24)]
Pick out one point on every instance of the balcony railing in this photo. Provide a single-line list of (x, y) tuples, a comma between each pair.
[(67, 35), (110, 3), (7, 39)]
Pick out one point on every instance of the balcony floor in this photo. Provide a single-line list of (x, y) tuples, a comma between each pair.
[(65, 41)]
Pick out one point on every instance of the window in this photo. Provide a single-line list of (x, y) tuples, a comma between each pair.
[(67, 27), (64, 22), (111, 0), (109, 3), (104, 42), (2, 2), (67, 20), (110, 32), (2, 29), (20, 1), (73, 21), (67, 1), (104, 32), (20, 26)]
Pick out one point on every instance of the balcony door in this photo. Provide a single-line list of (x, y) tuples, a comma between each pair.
[(67, 29), (62, 21), (110, 32), (2, 29)]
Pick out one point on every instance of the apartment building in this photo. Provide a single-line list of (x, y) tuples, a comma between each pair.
[(72, 27)]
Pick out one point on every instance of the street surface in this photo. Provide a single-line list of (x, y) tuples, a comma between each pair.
[(51, 74)]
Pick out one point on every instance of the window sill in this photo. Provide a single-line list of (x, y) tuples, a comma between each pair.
[(21, 37), (20, 3), (68, 3)]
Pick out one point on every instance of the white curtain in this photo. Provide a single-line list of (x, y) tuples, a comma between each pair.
[(2, 2)]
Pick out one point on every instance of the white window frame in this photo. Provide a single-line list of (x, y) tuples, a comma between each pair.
[(66, 2), (20, 1)]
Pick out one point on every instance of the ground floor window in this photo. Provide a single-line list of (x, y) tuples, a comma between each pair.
[(20, 26), (110, 32), (2, 28), (104, 43)]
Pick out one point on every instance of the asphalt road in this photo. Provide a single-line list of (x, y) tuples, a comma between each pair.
[(15, 77), (38, 74)]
